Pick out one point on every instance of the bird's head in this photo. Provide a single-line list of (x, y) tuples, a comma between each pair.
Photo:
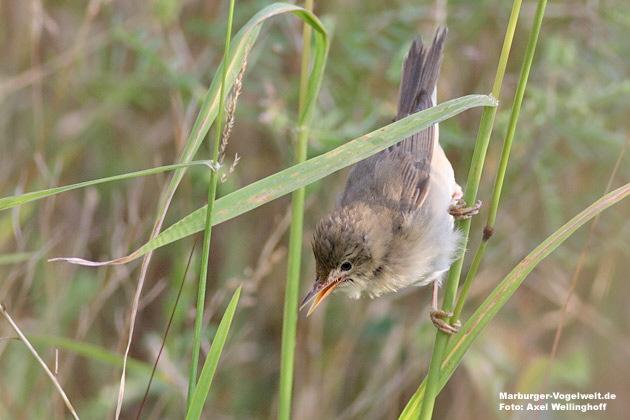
[(348, 247)]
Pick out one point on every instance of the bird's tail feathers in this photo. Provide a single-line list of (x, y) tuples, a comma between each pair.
[(420, 72)]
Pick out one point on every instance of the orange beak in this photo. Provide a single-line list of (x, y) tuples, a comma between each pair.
[(319, 293)]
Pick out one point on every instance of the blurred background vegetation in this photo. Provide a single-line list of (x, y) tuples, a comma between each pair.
[(108, 87)]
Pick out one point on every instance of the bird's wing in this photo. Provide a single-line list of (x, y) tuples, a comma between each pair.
[(394, 180), (403, 181), (419, 146)]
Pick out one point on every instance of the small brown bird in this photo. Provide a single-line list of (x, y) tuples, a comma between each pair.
[(393, 225)]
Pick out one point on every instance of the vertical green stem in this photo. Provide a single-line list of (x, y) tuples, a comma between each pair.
[(505, 154), (474, 177), (212, 191), (289, 319)]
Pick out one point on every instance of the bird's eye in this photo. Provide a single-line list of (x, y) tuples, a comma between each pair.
[(346, 266)]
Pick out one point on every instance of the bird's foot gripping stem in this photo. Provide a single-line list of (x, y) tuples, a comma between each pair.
[(460, 211), (437, 315)]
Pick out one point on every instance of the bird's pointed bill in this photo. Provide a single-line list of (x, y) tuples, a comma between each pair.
[(318, 294)]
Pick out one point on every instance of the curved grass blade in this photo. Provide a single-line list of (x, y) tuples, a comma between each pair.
[(288, 180), (460, 343)]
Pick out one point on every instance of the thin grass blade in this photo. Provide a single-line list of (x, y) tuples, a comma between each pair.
[(488, 309), (210, 365), (288, 180), (16, 200)]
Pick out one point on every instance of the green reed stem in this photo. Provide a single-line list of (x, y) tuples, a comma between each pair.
[(290, 310), (212, 191), (505, 154), (472, 186)]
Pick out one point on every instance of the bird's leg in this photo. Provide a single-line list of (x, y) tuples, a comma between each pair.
[(459, 210), (437, 314)]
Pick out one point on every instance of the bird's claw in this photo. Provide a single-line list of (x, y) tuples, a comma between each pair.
[(459, 210), (436, 317)]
